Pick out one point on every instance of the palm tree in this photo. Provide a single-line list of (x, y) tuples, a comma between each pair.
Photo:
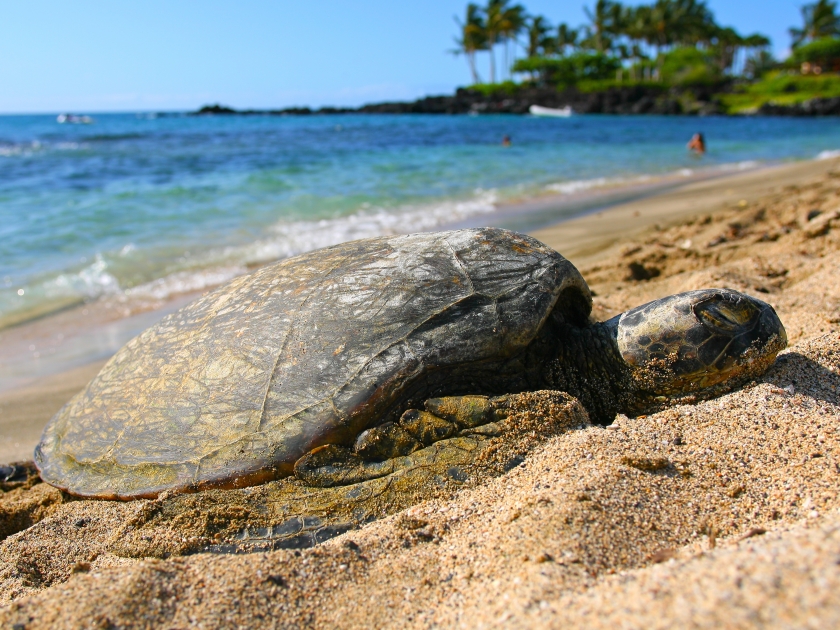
[(758, 64), (473, 37), (504, 23), (755, 48), (539, 40), (692, 21), (514, 22), (670, 22), (633, 25), (603, 23), (820, 20), (566, 36), (660, 24), (494, 29), (727, 43)]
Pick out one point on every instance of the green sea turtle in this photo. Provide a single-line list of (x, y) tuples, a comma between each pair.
[(352, 363)]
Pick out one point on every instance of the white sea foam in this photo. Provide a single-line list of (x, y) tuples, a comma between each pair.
[(579, 185), (30, 148), (24, 148), (184, 282), (574, 186), (744, 165), (69, 146), (290, 238), (828, 155), (741, 166), (217, 266), (90, 282), (568, 188)]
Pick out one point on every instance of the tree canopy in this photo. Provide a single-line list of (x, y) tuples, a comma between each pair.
[(819, 20), (823, 52), (637, 39)]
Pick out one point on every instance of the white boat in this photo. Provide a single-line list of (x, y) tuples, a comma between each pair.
[(539, 110)]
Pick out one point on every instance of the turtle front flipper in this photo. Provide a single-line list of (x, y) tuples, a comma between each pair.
[(383, 449), (331, 465)]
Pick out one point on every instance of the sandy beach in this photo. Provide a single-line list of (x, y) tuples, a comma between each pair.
[(724, 513)]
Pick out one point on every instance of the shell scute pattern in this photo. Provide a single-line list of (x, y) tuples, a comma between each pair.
[(235, 387)]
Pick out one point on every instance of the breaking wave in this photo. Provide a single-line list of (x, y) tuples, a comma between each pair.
[(101, 279)]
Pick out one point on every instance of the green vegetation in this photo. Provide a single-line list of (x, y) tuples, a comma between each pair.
[(690, 66), (606, 84), (823, 52), (669, 38), (674, 44), (507, 88), (819, 20), (779, 88), (565, 71)]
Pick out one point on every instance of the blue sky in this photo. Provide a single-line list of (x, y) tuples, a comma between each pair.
[(97, 55)]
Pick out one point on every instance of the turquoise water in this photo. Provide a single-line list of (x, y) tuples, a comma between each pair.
[(140, 207)]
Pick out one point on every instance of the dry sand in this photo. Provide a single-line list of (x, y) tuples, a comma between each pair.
[(720, 514)]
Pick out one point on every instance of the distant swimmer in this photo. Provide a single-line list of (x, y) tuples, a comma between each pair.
[(697, 144), (506, 141)]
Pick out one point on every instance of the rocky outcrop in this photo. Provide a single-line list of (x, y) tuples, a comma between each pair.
[(620, 100), (812, 107), (213, 110), (221, 110), (631, 99)]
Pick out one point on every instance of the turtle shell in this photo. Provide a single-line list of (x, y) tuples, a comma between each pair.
[(233, 388)]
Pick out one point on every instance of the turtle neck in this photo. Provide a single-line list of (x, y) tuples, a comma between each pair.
[(585, 362)]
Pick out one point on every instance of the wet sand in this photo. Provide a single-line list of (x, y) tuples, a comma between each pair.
[(722, 513), (25, 411)]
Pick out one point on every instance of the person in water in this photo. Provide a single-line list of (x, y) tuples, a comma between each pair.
[(697, 144), (506, 141)]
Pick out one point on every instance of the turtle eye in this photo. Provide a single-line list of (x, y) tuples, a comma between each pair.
[(725, 316)]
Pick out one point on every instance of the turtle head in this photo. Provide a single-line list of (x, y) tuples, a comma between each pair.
[(704, 341)]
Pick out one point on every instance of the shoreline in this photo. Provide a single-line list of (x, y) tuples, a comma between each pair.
[(586, 238), (29, 345), (511, 207), (73, 344), (632, 98), (708, 513)]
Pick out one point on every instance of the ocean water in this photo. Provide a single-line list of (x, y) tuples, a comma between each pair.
[(143, 207)]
